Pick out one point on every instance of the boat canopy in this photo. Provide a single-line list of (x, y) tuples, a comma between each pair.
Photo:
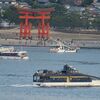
[(69, 69)]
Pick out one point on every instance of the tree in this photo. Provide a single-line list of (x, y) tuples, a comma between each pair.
[(96, 23), (11, 15), (53, 1), (58, 16), (30, 2), (0, 16), (87, 2)]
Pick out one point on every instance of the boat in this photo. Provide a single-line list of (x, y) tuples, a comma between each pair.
[(11, 53), (6, 49), (68, 77), (61, 49), (71, 50), (57, 49)]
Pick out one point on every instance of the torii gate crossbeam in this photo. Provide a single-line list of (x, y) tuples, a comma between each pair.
[(43, 27)]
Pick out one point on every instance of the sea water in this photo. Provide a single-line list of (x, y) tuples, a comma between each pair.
[(16, 75)]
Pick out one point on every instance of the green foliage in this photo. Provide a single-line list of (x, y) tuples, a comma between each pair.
[(57, 1), (30, 2), (0, 17), (58, 16), (87, 2), (61, 17), (53, 1), (64, 18), (11, 15), (96, 23)]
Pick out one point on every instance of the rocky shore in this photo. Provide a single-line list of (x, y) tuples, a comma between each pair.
[(11, 37)]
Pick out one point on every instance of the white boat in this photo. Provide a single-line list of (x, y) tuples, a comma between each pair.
[(61, 49), (71, 50), (6, 49), (11, 53), (68, 77), (57, 49), (94, 83)]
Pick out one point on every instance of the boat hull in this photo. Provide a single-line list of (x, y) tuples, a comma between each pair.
[(14, 55), (11, 57), (94, 83), (72, 51), (63, 51)]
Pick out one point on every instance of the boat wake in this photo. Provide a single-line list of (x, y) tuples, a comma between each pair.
[(23, 85), (86, 62), (83, 62), (20, 85), (14, 75)]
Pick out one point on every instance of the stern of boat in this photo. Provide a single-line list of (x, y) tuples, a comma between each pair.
[(95, 83)]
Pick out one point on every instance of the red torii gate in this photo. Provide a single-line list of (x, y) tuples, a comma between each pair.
[(25, 27), (43, 27)]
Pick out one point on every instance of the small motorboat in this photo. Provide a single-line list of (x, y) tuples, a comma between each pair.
[(61, 49), (57, 49), (68, 77), (72, 50)]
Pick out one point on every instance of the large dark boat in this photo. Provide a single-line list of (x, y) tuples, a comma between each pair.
[(69, 76)]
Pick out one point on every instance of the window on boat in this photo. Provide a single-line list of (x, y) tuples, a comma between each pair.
[(36, 78), (40, 79), (24, 54), (8, 54), (94, 77), (80, 79), (57, 79)]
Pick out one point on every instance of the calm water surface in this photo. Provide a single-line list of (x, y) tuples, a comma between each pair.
[(16, 75)]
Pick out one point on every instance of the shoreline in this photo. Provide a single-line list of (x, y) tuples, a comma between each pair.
[(35, 43), (11, 37)]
